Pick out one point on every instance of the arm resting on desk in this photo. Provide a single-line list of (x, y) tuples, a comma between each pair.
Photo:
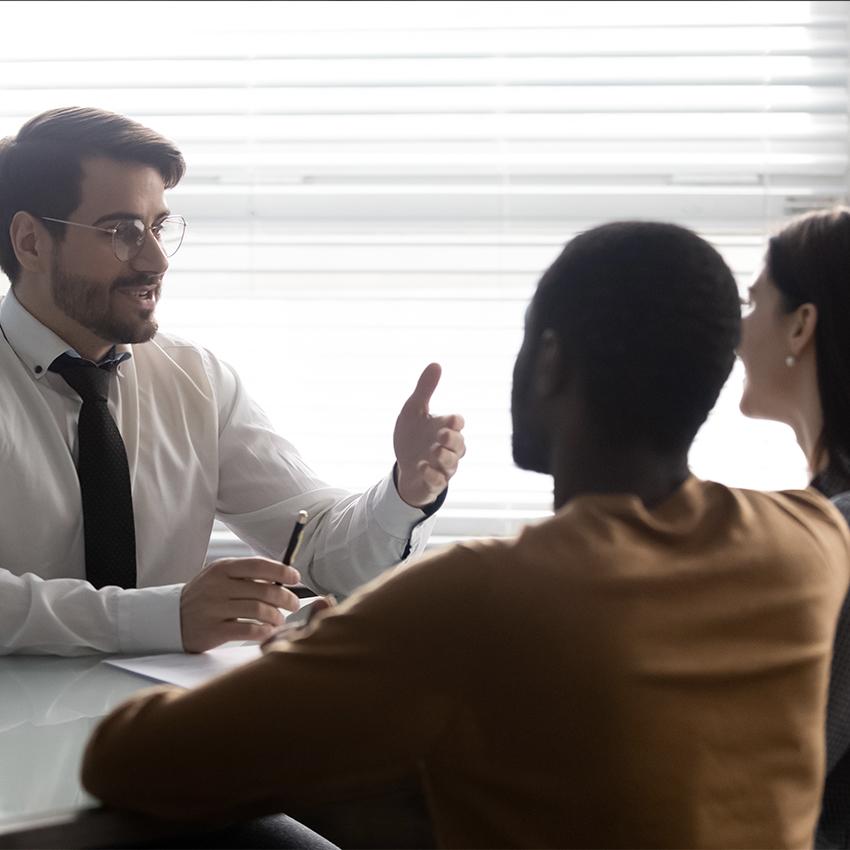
[(354, 705), (70, 617)]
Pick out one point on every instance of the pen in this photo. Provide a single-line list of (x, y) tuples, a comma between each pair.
[(295, 538), (294, 541)]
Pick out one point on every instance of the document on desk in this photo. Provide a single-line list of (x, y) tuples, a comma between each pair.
[(186, 670), (190, 670)]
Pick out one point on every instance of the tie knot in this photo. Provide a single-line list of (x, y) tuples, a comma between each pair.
[(90, 381)]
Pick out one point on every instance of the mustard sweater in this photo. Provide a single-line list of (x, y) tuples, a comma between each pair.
[(616, 676)]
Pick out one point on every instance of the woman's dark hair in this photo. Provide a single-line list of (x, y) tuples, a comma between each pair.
[(809, 263), (41, 167)]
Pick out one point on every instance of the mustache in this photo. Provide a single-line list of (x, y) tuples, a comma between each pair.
[(136, 281)]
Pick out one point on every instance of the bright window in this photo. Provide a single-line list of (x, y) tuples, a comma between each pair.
[(373, 186)]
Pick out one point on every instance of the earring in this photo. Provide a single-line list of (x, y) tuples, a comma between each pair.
[(790, 360)]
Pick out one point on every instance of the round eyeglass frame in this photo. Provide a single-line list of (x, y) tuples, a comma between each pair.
[(123, 249)]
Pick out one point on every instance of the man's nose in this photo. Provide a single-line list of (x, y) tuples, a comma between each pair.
[(152, 257)]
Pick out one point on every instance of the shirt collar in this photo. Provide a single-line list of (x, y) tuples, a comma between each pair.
[(36, 345)]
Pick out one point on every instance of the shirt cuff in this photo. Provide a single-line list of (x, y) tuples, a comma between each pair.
[(428, 510), (392, 513), (413, 525), (149, 619)]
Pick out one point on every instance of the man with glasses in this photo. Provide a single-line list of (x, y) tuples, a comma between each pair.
[(128, 234), (120, 444)]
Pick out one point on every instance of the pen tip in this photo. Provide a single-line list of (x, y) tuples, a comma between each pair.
[(302, 516)]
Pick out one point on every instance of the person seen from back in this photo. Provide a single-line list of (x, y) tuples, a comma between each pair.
[(646, 668)]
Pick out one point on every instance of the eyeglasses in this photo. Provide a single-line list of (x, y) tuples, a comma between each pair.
[(128, 236)]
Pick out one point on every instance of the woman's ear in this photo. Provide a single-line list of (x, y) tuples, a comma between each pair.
[(802, 329)]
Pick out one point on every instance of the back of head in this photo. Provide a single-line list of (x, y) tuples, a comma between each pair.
[(809, 262), (41, 167), (648, 315)]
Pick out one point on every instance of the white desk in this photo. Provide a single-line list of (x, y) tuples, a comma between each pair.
[(48, 709)]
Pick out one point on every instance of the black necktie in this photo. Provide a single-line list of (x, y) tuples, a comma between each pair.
[(108, 527)]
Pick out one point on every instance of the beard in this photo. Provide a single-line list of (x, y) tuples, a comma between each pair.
[(93, 306)]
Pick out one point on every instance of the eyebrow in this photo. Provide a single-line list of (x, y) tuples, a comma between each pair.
[(127, 216)]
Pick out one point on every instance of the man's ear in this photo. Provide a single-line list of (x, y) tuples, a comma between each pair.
[(804, 320), (549, 372), (30, 242)]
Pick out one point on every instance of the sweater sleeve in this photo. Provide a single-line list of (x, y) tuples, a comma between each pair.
[(379, 673)]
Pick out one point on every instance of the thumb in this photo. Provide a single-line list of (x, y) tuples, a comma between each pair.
[(425, 387)]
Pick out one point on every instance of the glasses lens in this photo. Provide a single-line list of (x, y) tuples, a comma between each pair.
[(128, 239), (170, 233)]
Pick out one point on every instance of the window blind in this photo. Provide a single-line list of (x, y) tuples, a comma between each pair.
[(373, 186)]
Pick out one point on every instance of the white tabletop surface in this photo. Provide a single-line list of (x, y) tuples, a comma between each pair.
[(48, 708)]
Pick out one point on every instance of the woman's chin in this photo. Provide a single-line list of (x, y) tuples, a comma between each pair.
[(749, 406), (745, 404)]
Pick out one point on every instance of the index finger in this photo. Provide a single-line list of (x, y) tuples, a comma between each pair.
[(263, 569)]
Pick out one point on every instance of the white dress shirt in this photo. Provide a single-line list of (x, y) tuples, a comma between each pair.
[(198, 448)]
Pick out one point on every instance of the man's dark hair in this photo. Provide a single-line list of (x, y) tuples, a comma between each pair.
[(809, 263), (649, 316), (41, 167)]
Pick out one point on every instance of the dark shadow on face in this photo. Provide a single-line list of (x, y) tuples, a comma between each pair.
[(529, 440)]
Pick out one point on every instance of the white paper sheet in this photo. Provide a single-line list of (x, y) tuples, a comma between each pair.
[(186, 670)]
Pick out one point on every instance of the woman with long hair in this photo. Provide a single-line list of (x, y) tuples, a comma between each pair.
[(795, 347)]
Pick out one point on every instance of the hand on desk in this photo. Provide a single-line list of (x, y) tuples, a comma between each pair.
[(427, 448), (234, 588)]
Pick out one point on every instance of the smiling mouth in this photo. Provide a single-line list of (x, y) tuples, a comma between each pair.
[(144, 293)]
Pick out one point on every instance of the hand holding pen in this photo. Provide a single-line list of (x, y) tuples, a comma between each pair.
[(235, 599), (302, 617), (240, 598)]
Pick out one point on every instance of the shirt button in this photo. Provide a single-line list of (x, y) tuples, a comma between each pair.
[(38, 370)]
